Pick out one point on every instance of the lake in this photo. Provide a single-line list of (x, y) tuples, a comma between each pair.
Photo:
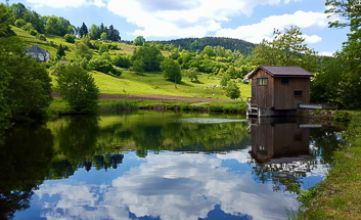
[(161, 165)]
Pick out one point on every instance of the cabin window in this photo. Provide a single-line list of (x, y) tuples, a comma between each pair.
[(284, 81), (298, 93), (262, 81)]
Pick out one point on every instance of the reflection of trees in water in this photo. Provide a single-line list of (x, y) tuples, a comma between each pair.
[(25, 158), (176, 135), (78, 143), (288, 176)]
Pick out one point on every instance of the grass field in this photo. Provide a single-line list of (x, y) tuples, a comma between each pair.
[(132, 83)]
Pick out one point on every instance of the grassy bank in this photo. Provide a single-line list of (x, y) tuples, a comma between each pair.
[(59, 107), (339, 196)]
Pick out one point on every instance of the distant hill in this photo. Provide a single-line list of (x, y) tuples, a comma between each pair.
[(197, 44)]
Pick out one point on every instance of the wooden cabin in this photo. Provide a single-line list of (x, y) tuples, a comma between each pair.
[(278, 90)]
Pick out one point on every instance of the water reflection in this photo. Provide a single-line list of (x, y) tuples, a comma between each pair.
[(160, 166), (287, 155)]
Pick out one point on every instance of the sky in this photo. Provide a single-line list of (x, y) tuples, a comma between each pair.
[(250, 20)]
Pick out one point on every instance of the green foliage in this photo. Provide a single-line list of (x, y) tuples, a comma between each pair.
[(104, 36), (198, 44), (42, 37), (147, 58), (139, 41), (5, 29), (82, 51), (122, 61), (103, 64), (191, 74), (171, 70), (60, 52), (83, 31), (285, 49), (232, 90), (339, 80), (25, 87), (113, 34), (77, 86), (103, 49), (20, 22), (58, 26), (94, 32), (70, 38)]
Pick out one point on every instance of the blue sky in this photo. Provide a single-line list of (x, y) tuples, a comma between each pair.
[(251, 20)]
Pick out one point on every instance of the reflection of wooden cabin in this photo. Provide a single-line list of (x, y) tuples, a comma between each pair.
[(278, 90), (282, 141)]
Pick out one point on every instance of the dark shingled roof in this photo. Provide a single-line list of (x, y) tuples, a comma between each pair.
[(282, 71)]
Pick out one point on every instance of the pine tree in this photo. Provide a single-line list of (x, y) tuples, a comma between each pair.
[(83, 31)]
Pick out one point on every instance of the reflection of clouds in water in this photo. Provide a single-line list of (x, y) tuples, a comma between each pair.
[(172, 186), (241, 156)]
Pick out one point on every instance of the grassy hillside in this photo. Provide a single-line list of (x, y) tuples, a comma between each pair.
[(130, 82)]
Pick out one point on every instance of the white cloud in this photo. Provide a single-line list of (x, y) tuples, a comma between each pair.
[(66, 3), (169, 186), (264, 29), (312, 39), (327, 53), (196, 18)]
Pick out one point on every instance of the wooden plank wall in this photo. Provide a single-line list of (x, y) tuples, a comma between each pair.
[(284, 98), (262, 95)]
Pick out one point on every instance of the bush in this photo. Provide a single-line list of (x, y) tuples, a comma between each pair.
[(42, 37), (78, 87), (192, 75), (122, 61), (19, 22), (70, 38), (171, 70), (103, 65), (232, 90)]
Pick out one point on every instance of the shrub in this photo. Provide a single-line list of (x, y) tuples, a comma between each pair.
[(171, 70), (103, 65), (232, 90), (70, 38), (42, 37), (122, 61), (78, 87), (19, 22)]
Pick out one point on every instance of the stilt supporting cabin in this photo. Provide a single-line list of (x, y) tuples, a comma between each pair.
[(278, 91)]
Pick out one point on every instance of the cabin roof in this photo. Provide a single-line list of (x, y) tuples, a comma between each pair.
[(282, 71)]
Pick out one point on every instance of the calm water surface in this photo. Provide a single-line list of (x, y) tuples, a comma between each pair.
[(150, 165)]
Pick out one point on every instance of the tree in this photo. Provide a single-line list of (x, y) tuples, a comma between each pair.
[(94, 32), (83, 31), (232, 90), (192, 74), (349, 87), (83, 51), (288, 48), (171, 70), (104, 36), (139, 41), (78, 87), (113, 34), (122, 61), (60, 52), (58, 26), (147, 58), (5, 29), (25, 89)]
